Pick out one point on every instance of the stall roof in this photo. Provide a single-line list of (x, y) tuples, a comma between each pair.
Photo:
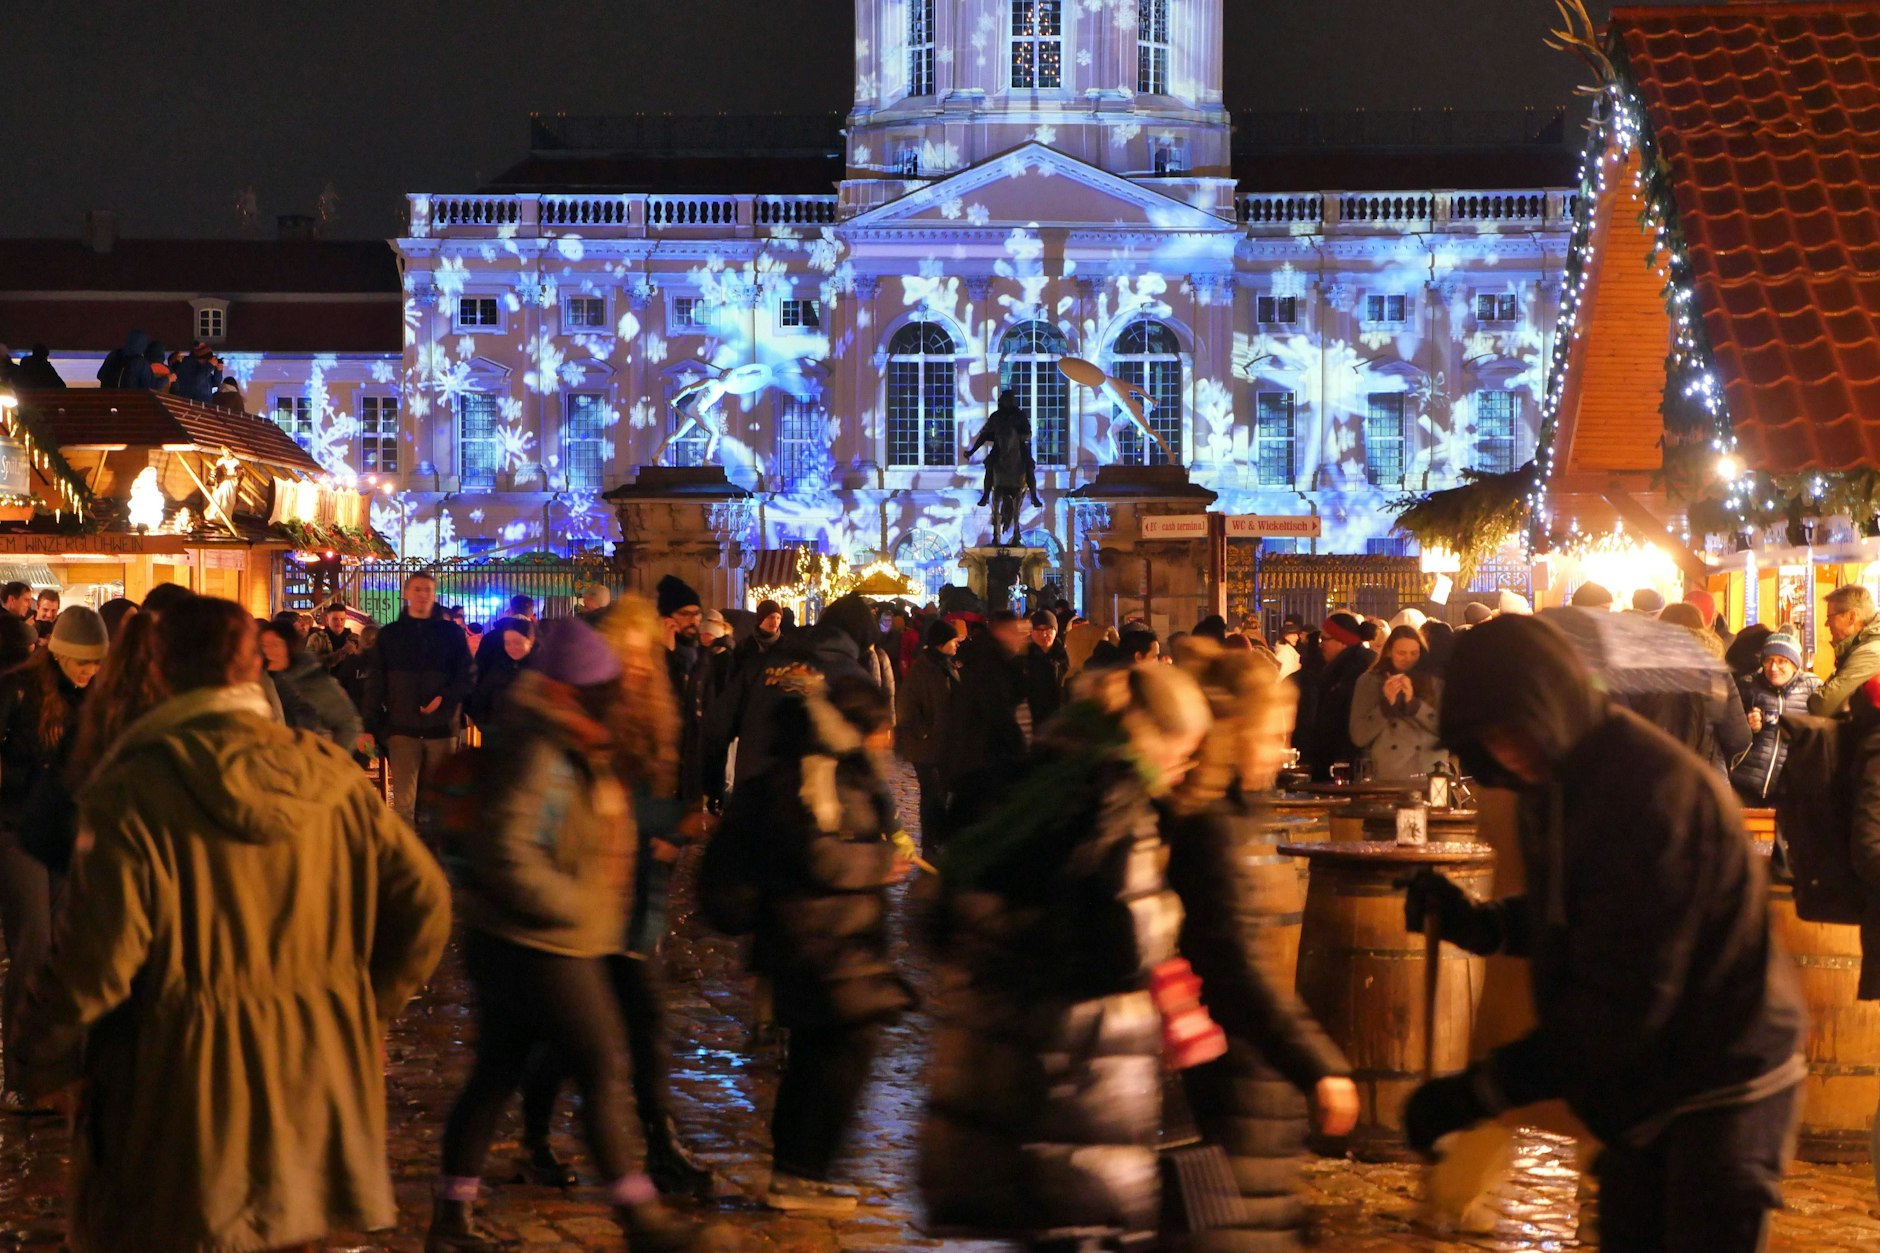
[(143, 419), (1767, 116)]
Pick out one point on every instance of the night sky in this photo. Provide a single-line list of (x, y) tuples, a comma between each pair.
[(164, 113)]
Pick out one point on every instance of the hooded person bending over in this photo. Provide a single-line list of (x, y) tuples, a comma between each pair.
[(1668, 1019)]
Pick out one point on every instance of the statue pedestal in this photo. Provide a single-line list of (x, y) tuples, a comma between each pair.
[(683, 520), (994, 571), (1165, 580)]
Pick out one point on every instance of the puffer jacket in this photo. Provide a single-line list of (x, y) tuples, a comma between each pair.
[(1045, 1103), (552, 868), (1755, 774), (324, 707), (415, 660), (822, 930)]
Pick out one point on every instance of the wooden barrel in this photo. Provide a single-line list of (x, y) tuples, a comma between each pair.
[(1843, 1085), (1361, 974), (1276, 889)]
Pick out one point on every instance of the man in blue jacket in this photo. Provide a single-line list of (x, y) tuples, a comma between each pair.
[(417, 678)]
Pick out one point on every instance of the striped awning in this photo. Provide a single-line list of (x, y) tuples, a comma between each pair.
[(775, 567)]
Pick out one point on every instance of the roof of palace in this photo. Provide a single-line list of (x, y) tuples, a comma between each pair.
[(1767, 118)]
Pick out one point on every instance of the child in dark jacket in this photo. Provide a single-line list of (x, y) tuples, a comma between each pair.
[(829, 853), (1782, 687)]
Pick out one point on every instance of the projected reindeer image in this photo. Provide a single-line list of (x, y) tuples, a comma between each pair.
[(1129, 404)]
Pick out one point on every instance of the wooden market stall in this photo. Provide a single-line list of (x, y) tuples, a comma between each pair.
[(136, 488), (1713, 418)]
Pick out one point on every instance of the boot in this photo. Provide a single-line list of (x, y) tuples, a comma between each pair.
[(545, 1169), (673, 1170), (653, 1228), (454, 1229)]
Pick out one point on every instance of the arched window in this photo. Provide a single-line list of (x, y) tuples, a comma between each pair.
[(920, 396), (1148, 355), (929, 559), (920, 47), (1028, 365)]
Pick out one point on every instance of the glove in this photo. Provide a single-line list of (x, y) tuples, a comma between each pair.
[(1442, 1106), (1467, 923)]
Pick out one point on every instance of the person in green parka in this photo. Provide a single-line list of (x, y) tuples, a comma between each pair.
[(243, 918)]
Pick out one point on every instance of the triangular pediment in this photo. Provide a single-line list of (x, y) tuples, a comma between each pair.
[(1036, 186)]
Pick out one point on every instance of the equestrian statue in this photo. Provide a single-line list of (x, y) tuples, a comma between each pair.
[(1010, 470)]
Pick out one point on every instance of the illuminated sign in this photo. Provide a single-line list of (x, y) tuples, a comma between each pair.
[(1189, 526), (16, 478), (1290, 525)]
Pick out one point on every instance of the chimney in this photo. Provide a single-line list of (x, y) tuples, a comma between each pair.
[(296, 226), (100, 230)]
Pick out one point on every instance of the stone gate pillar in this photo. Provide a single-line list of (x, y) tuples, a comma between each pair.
[(685, 520)]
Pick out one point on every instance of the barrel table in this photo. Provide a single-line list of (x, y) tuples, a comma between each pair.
[(1361, 974), (1843, 1085), (1276, 891), (1377, 820)]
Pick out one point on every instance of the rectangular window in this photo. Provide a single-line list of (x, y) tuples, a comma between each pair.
[(800, 441), (477, 455), (584, 313), (1277, 310), (378, 435), (581, 442), (801, 314), (909, 163), (1387, 546), (1497, 423), (294, 414), (1386, 310), (1168, 159), (1273, 438), (1038, 43), (1152, 47), (1383, 439), (1497, 307), (209, 324), (688, 313), (920, 413), (920, 47), (479, 313)]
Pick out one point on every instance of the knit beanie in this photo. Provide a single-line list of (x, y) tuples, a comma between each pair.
[(767, 607), (1781, 644), (1342, 627), (79, 634), (576, 654), (674, 594), (1592, 596), (1648, 600)]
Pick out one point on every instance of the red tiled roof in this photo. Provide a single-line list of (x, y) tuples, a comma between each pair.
[(1768, 117), (210, 267), (98, 324), (140, 419)]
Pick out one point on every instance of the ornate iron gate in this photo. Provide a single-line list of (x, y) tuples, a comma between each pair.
[(1309, 585), (482, 588)]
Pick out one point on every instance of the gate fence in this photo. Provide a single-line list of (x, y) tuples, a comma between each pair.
[(482, 588)]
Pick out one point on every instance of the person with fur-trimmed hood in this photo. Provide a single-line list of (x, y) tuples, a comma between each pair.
[(1668, 1018)]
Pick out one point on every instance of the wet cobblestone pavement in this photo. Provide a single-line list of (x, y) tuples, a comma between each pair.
[(724, 1094)]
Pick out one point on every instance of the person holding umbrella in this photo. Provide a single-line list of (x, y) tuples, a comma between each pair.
[(1668, 1020)]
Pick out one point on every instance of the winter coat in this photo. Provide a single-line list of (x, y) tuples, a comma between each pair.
[(37, 371), (980, 735), (333, 650), (246, 919), (1397, 737), (485, 703), (27, 764), (822, 929), (197, 379), (552, 869), (1329, 738), (725, 715), (711, 676), (1252, 1102), (1712, 726), (127, 367), (326, 709), (1044, 684), (930, 683), (415, 660), (1656, 982), (821, 648), (1856, 660), (1756, 772), (1045, 1096)]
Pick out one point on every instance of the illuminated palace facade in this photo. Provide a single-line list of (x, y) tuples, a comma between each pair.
[(1025, 180)]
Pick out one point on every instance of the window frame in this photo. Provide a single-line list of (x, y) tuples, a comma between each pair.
[(1050, 432), (1036, 42), (1138, 368), (301, 406), (1374, 420), (1279, 304), (211, 324), (1498, 300), (1385, 299), (935, 377), (1482, 442), (465, 477), (461, 327), (1261, 439), (570, 327), (923, 49), (796, 448), (572, 410), (799, 303), (1152, 76), (374, 436), (690, 324)]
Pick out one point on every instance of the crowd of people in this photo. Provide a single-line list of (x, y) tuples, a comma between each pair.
[(142, 364), (198, 880)]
